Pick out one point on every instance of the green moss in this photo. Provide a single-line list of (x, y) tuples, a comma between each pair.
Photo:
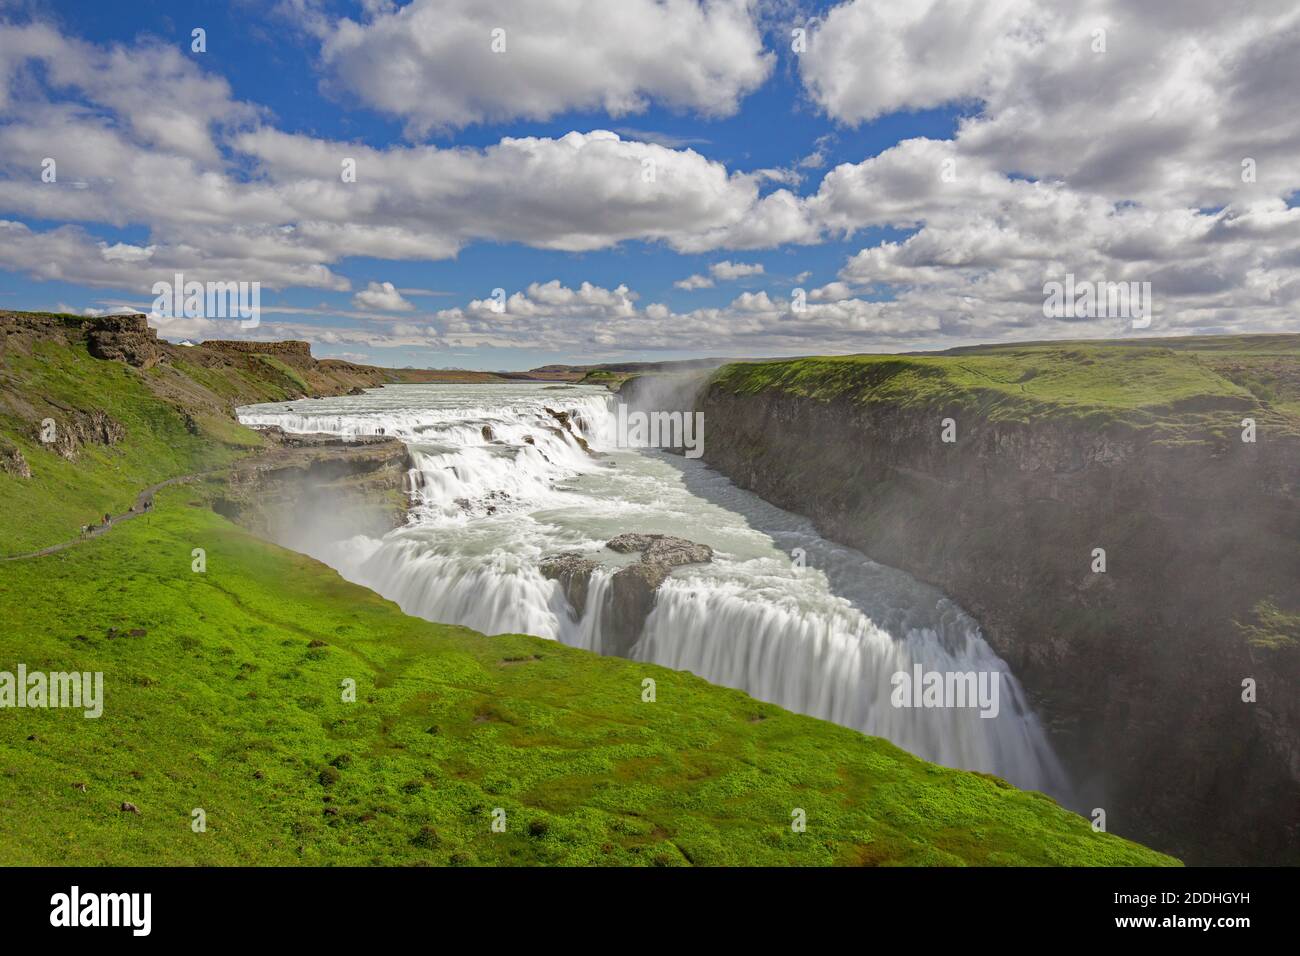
[(1273, 629)]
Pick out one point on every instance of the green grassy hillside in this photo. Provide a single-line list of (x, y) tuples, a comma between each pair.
[(1199, 386), (55, 379), (224, 691), (230, 701)]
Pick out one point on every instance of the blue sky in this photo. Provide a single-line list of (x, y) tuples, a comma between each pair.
[(827, 167)]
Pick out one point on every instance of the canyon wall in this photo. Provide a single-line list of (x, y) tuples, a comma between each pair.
[(1138, 670)]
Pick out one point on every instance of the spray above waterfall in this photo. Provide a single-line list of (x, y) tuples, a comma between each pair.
[(508, 477)]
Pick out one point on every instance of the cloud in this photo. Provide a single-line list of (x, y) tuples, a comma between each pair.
[(381, 297), (1159, 103), (867, 58), (434, 63), (1115, 165), (667, 140), (727, 271), (70, 254), (693, 282), (724, 271)]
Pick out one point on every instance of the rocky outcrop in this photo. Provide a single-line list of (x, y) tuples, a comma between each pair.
[(290, 350), (573, 571), (71, 429), (1137, 669), (632, 588), (566, 423), (319, 486), (12, 461), (125, 338), (661, 549)]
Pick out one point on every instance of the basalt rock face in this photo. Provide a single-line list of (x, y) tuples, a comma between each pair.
[(319, 485), (632, 588), (1137, 670), (291, 351), (125, 338)]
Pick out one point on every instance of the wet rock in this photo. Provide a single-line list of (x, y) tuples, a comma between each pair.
[(632, 588), (662, 549), (488, 433), (566, 423), (573, 571), (632, 597)]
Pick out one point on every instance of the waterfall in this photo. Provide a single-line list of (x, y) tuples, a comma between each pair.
[(499, 483)]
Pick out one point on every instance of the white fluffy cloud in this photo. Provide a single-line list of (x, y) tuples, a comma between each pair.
[(868, 57), (433, 62), (381, 297), (1114, 165), (724, 271), (591, 320), (693, 282), (1155, 102), (727, 270)]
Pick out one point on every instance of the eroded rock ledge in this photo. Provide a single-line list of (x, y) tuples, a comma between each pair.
[(632, 588), (353, 486)]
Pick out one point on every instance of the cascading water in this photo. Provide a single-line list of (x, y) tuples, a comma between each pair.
[(499, 483)]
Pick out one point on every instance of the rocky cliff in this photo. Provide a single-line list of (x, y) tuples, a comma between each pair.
[(320, 485), (1138, 669)]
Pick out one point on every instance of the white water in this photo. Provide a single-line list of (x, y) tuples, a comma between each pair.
[(822, 639)]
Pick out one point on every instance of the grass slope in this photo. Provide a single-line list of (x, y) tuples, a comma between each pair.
[(1201, 387), (62, 495), (223, 703)]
